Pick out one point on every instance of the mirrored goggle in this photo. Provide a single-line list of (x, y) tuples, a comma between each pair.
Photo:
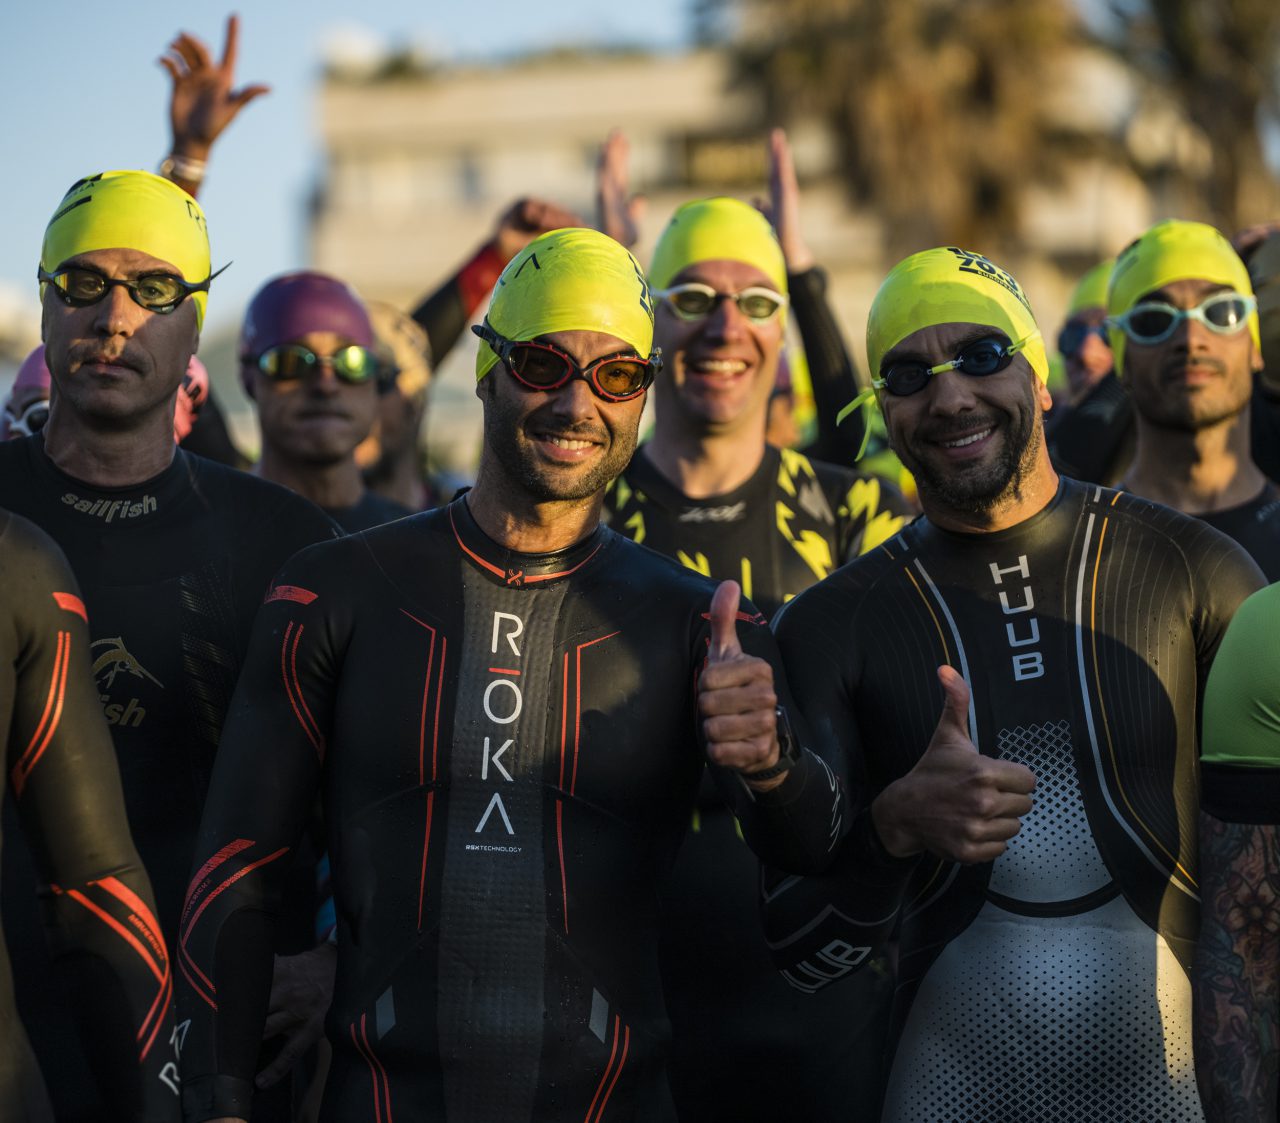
[(1072, 338), (979, 359), (1153, 321), (696, 301), (80, 287), (352, 363)]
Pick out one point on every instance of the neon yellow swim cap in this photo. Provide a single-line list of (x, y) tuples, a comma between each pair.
[(1091, 291), (950, 286), (131, 210), (1173, 251), (719, 229), (570, 280)]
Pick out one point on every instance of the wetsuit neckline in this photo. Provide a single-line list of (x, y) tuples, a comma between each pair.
[(643, 475), (118, 506), (510, 567), (1065, 485)]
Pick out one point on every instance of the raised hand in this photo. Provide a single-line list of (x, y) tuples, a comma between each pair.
[(618, 212), (203, 102), (736, 697), (524, 220), (955, 803), (783, 208)]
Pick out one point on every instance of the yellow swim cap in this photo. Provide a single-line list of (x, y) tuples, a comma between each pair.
[(1173, 251), (950, 286), (1091, 292), (720, 229), (134, 211), (570, 280)]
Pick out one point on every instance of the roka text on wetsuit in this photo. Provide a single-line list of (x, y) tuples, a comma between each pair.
[(1051, 984), (508, 747)]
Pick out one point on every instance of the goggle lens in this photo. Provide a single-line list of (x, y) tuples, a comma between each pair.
[(1154, 321), (981, 358), (696, 301), (540, 368), (289, 361)]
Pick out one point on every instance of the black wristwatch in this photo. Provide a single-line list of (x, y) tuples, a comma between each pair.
[(788, 750)]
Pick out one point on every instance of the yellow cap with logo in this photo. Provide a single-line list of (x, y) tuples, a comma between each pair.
[(951, 286), (572, 279), (718, 229), (1173, 251), (1091, 291), (132, 210)]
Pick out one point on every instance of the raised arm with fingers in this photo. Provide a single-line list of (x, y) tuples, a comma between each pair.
[(618, 211), (202, 103)]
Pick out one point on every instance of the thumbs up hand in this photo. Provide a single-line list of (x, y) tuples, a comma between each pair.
[(955, 803), (736, 697)]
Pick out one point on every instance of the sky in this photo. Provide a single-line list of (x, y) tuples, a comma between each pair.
[(83, 92)]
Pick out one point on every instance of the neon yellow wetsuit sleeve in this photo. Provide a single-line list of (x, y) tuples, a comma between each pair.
[(1242, 699)]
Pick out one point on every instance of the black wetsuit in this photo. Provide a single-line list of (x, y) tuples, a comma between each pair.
[(97, 903), (736, 1024), (508, 748), (372, 510), (1256, 526), (1051, 984), (173, 571)]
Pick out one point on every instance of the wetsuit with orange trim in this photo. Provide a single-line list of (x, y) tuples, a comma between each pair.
[(507, 746), (172, 570), (1052, 984), (98, 909), (735, 1021)]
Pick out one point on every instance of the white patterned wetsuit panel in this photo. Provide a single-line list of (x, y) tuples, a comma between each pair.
[(1066, 1019), (1053, 857)]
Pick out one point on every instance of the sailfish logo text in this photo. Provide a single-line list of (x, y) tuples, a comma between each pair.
[(111, 659)]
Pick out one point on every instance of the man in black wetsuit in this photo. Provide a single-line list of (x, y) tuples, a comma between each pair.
[(307, 360), (1044, 948), (1184, 328), (174, 553), (498, 702), (97, 902), (707, 490)]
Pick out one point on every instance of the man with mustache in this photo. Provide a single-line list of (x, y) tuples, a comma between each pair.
[(307, 360), (1183, 323), (506, 709), (1064, 632), (173, 552)]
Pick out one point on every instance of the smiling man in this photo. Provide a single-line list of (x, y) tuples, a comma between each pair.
[(1044, 946), (498, 703), (708, 490), (1184, 328), (173, 552)]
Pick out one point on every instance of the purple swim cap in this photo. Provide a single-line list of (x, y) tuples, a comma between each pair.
[(33, 374), (288, 307)]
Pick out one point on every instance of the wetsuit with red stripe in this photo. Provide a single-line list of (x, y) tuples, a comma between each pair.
[(508, 747), (98, 908), (173, 570), (1050, 985)]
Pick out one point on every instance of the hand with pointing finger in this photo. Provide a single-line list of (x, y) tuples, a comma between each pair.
[(736, 697), (955, 803)]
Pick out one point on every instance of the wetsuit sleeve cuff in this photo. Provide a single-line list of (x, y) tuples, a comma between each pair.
[(1234, 793), (211, 1097), (864, 853)]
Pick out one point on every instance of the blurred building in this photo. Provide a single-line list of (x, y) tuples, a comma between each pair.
[(419, 160)]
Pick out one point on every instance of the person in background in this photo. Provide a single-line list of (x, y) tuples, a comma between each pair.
[(26, 407), (1184, 330)]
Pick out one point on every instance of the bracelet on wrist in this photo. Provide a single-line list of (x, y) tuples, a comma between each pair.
[(186, 168)]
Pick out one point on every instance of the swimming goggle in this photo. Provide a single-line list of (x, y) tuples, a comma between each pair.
[(31, 420), (1073, 336), (979, 359), (1154, 321), (79, 286), (287, 362), (542, 367), (696, 301)]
